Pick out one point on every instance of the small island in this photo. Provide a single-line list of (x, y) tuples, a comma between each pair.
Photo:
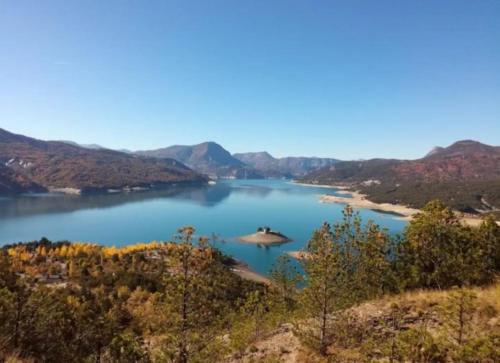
[(265, 236)]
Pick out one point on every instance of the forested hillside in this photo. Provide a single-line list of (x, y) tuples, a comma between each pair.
[(29, 164), (465, 176), (357, 298), (14, 183)]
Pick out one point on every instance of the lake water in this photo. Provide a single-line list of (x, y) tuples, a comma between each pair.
[(228, 209)]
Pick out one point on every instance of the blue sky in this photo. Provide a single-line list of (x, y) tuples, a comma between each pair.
[(347, 79)]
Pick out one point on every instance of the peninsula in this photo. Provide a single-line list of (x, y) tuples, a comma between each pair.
[(359, 200)]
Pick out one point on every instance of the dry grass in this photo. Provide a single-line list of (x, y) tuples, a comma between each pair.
[(421, 299), (283, 346)]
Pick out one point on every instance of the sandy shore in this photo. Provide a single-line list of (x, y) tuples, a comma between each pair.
[(298, 255), (319, 185), (359, 200), (245, 272), (72, 191), (260, 238), (473, 221)]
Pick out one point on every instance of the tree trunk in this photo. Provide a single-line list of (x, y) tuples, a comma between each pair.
[(323, 344), (183, 352)]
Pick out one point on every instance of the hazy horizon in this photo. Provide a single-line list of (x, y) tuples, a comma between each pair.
[(346, 80)]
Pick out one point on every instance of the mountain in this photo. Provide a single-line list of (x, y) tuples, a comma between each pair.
[(86, 146), (463, 161), (259, 160), (287, 166), (208, 158), (94, 146), (434, 150), (29, 164), (465, 175), (15, 183)]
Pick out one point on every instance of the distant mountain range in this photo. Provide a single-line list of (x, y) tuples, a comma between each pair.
[(465, 175), (288, 166), (93, 146), (212, 159), (31, 165), (86, 146), (208, 158)]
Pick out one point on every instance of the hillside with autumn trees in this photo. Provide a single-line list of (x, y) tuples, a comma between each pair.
[(32, 165), (465, 176), (358, 295)]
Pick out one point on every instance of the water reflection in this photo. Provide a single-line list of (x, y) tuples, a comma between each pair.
[(206, 196), (229, 209)]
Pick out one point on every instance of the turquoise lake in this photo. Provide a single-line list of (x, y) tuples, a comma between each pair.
[(229, 209)]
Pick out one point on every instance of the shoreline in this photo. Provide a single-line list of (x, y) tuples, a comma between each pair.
[(298, 255), (259, 240), (359, 200), (88, 190), (241, 269), (264, 236), (340, 187), (401, 212)]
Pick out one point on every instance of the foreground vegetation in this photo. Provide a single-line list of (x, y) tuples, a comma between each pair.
[(361, 296)]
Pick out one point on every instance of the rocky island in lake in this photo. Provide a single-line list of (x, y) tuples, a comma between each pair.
[(265, 235)]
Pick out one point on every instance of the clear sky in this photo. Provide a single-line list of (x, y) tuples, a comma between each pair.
[(347, 79)]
